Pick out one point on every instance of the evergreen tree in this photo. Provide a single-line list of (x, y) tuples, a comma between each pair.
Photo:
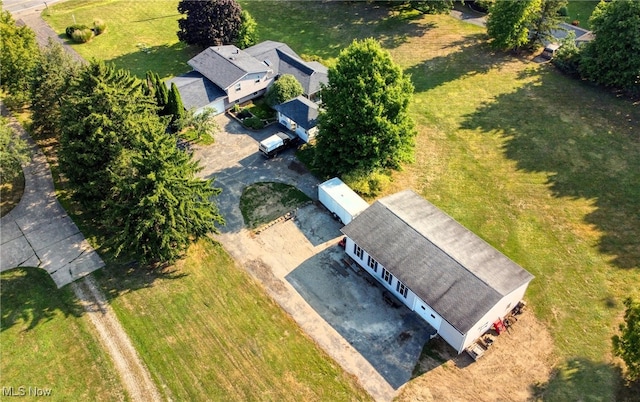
[(209, 22), (160, 206), (99, 119), (613, 57), (509, 22), (18, 59), (51, 80), (175, 107), (365, 125), (162, 95), (13, 152)]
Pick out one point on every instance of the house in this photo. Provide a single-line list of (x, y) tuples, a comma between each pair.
[(299, 115), (449, 276), (223, 76)]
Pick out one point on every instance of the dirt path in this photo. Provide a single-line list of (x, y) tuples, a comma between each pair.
[(133, 373)]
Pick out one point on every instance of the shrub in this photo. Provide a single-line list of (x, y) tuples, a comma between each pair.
[(82, 35), (75, 27), (253, 122), (99, 26), (567, 58), (563, 12), (367, 184)]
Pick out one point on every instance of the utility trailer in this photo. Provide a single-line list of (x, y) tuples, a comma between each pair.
[(343, 203)]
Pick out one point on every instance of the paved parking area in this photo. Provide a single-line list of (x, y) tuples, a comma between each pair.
[(299, 264)]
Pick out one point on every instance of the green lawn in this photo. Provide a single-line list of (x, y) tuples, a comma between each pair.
[(207, 332), (543, 167), (581, 10), (48, 344)]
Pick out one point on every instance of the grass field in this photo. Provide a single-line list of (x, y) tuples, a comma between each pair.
[(543, 167), (581, 10), (47, 344), (208, 332)]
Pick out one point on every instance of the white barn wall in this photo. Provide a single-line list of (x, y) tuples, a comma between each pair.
[(500, 310), (451, 336)]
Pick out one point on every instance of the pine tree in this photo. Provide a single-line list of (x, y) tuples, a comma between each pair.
[(175, 107), (369, 131), (99, 119), (51, 80)]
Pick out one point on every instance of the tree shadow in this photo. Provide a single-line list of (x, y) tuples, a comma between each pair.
[(587, 143), (580, 378), (30, 296), (472, 56)]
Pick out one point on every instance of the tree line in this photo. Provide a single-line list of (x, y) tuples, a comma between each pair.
[(116, 151)]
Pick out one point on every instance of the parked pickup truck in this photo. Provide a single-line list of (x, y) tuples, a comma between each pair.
[(276, 143)]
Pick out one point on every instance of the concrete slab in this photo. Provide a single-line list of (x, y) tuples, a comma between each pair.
[(51, 232), (15, 253), (9, 230)]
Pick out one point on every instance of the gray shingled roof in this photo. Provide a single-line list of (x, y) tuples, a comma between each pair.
[(301, 110), (225, 65), (283, 60), (457, 273), (196, 90)]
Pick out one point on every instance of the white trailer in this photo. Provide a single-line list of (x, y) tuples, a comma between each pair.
[(343, 203)]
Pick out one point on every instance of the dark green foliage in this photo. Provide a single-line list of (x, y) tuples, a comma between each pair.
[(75, 27), (159, 206), (627, 344), (365, 125), (162, 95), (509, 23), (51, 80), (567, 58), (13, 151), (285, 88), (546, 20), (248, 34), (563, 11), (100, 118), (209, 22), (126, 169), (175, 107), (99, 26), (19, 54), (253, 122), (613, 57)]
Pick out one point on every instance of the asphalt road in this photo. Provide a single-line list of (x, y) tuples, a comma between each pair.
[(16, 7)]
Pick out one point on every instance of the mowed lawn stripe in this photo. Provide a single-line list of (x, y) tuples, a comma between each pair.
[(212, 333)]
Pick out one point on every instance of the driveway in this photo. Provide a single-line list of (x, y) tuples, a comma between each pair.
[(300, 265)]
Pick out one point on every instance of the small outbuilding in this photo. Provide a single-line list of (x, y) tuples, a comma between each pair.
[(299, 115), (450, 277), (343, 203)]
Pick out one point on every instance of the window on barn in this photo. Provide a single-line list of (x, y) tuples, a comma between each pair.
[(402, 289), (238, 86), (373, 264), (358, 251), (386, 275)]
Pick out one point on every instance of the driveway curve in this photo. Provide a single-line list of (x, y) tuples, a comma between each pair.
[(38, 232)]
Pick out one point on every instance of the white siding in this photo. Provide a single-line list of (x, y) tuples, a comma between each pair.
[(500, 310), (451, 336)]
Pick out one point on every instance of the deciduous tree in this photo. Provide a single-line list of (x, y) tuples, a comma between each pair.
[(287, 87), (509, 22), (209, 22), (248, 34), (627, 344), (613, 57), (18, 58), (365, 125), (547, 20)]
